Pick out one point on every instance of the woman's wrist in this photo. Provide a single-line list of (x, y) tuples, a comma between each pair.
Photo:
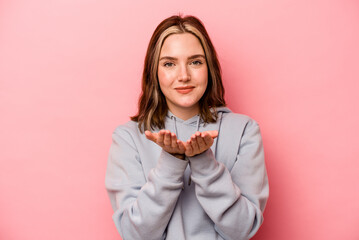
[(178, 155)]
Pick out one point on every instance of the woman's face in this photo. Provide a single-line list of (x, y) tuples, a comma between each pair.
[(182, 74)]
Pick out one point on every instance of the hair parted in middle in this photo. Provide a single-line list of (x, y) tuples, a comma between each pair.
[(152, 106)]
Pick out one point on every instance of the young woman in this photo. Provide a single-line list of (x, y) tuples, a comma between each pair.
[(204, 177)]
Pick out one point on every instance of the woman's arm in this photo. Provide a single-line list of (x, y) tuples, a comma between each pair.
[(142, 207), (234, 200)]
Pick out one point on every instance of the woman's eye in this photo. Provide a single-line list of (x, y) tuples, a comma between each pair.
[(168, 64), (197, 62)]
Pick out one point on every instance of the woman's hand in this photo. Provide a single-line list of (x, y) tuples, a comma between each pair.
[(168, 141), (200, 142)]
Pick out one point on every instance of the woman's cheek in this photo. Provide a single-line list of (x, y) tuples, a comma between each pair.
[(167, 76)]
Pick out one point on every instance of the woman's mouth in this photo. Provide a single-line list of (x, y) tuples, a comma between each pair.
[(184, 90)]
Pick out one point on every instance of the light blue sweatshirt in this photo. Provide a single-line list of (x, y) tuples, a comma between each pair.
[(218, 194)]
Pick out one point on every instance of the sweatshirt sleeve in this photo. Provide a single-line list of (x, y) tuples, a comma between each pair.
[(143, 207), (234, 200)]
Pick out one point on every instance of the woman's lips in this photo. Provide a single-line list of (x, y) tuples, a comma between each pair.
[(184, 90)]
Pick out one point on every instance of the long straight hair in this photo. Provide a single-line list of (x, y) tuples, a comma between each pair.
[(152, 106)]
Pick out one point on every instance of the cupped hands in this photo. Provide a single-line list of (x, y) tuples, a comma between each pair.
[(197, 144)]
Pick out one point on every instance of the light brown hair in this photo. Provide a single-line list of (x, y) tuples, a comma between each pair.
[(152, 106)]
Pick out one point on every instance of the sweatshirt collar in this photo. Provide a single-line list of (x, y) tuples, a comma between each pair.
[(194, 121)]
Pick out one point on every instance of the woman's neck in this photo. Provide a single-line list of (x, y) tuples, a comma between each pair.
[(185, 114)]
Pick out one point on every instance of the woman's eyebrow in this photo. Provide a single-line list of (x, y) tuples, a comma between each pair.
[(168, 58), (191, 57), (197, 56)]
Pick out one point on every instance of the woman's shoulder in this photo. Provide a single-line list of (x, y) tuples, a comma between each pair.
[(232, 118), (128, 130), (237, 129), (237, 122), (130, 126)]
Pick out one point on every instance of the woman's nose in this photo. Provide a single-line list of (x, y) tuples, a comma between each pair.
[(184, 75)]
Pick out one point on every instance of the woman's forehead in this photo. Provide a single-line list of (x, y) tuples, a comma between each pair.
[(181, 45)]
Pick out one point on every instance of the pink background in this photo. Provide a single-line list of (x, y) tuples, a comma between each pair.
[(70, 73)]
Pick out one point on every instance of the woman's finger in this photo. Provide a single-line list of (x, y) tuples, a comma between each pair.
[(189, 149), (151, 136), (207, 139), (181, 146), (174, 144), (213, 133), (200, 141), (160, 137), (167, 138), (194, 144)]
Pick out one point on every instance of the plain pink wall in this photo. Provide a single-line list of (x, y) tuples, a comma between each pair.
[(70, 73)]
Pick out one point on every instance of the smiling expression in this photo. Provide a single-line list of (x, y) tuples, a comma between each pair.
[(182, 74)]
